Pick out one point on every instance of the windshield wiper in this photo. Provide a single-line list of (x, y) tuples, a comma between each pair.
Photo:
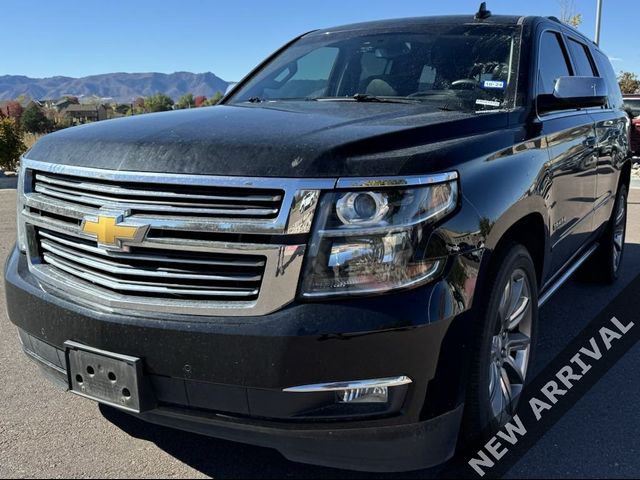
[(365, 98)]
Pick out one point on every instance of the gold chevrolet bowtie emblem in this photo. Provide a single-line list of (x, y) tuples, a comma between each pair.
[(111, 230)]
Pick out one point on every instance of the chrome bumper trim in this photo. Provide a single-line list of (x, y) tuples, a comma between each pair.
[(337, 386)]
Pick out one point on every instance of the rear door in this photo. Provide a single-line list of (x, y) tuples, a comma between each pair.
[(571, 142), (612, 127)]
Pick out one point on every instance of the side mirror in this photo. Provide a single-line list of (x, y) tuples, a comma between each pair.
[(574, 92)]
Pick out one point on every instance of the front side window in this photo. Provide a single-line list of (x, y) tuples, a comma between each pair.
[(451, 67), (553, 63)]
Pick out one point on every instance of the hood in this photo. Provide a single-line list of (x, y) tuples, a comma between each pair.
[(284, 139)]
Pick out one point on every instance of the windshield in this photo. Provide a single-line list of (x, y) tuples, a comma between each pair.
[(452, 67), (633, 106)]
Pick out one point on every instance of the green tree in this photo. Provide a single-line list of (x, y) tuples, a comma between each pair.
[(186, 101), (213, 100), (158, 103), (11, 144), (34, 120), (629, 82), (23, 99)]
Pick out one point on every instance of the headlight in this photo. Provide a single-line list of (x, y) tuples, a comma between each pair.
[(21, 230), (373, 240)]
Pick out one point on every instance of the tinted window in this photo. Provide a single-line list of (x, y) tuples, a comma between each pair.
[(452, 67), (553, 62), (372, 66), (606, 71), (581, 60), (308, 76)]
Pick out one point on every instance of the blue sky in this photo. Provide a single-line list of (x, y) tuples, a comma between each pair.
[(43, 38)]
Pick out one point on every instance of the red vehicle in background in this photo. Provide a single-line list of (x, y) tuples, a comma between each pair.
[(632, 105)]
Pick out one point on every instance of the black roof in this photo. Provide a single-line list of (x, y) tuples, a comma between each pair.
[(400, 23), (433, 20)]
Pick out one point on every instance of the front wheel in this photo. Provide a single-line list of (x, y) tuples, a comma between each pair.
[(505, 338)]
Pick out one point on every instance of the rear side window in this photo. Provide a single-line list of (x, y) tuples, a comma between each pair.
[(553, 62), (607, 72), (581, 59)]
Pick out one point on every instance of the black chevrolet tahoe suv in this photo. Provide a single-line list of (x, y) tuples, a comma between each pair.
[(344, 260)]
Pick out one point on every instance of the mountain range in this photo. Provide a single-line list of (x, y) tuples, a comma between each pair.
[(121, 87)]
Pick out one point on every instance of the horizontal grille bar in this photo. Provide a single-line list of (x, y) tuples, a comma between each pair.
[(113, 267), (144, 287), (148, 271), (164, 207), (172, 200), (102, 188), (154, 258)]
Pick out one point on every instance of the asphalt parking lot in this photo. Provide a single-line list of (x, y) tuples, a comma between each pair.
[(47, 433)]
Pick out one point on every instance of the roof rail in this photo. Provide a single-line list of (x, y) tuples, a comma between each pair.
[(557, 20)]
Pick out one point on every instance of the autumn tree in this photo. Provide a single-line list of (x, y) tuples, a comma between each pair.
[(11, 144), (158, 103), (629, 82), (199, 100), (186, 101), (14, 110), (568, 13), (35, 121), (137, 107)]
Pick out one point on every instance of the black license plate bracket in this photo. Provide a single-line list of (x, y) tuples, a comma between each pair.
[(107, 377)]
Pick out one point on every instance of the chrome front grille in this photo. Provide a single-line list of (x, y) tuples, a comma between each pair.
[(214, 245), (152, 272), (171, 200)]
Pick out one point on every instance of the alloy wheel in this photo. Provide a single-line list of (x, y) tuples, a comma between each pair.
[(619, 230), (511, 345)]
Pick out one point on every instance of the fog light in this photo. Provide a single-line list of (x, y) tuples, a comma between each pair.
[(363, 395), (358, 391)]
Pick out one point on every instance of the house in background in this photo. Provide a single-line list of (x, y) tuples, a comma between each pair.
[(65, 102), (78, 114)]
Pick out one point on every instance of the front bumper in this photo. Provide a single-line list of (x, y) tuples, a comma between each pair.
[(225, 377)]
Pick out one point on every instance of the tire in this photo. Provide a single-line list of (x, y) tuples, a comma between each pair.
[(488, 361), (604, 265)]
